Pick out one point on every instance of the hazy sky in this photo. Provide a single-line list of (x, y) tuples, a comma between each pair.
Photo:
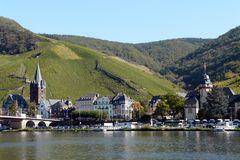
[(126, 20)]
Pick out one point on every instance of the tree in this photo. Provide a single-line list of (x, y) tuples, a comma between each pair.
[(138, 110), (32, 109), (201, 113), (176, 104), (14, 108), (217, 104), (170, 104), (144, 103), (89, 114), (162, 109)]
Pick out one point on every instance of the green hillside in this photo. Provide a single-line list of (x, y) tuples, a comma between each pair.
[(222, 56), (233, 82), (70, 70), (124, 50), (154, 55)]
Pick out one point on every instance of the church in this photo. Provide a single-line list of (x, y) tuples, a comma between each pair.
[(37, 87), (195, 99), (38, 93)]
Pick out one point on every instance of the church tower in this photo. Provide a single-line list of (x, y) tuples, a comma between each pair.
[(205, 87), (37, 87)]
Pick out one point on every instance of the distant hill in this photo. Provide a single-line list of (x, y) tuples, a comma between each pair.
[(14, 39), (154, 55), (222, 56), (72, 70)]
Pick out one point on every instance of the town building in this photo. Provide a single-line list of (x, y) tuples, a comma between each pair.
[(153, 103), (122, 107), (11, 98), (117, 107), (85, 102), (104, 104), (191, 106), (61, 109)]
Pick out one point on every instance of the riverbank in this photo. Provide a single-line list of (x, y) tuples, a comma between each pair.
[(97, 130)]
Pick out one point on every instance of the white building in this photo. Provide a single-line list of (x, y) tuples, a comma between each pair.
[(104, 104), (191, 108), (122, 107), (117, 107), (85, 103)]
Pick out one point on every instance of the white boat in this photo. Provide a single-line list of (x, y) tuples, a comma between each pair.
[(223, 126), (113, 128)]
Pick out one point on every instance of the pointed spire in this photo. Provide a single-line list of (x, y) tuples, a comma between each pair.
[(205, 67), (38, 76)]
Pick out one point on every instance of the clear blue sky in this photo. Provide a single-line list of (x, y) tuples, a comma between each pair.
[(126, 20)]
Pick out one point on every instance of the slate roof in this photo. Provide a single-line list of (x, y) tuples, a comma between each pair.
[(155, 99), (53, 101), (13, 97), (38, 75), (60, 104), (88, 97), (191, 101), (191, 94), (119, 98), (228, 92)]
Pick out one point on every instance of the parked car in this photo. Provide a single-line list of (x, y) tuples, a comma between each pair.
[(211, 123), (236, 122), (197, 123), (204, 123), (181, 123), (226, 120), (219, 121)]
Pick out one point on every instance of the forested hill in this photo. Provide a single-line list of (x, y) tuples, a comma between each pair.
[(14, 39), (154, 55), (222, 56)]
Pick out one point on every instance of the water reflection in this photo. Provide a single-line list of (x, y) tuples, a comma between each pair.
[(119, 145)]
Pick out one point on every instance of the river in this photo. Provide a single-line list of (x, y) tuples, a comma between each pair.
[(162, 145)]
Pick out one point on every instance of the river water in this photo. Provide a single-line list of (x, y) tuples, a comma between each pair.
[(162, 145)]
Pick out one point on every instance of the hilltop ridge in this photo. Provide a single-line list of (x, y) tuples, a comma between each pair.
[(15, 39)]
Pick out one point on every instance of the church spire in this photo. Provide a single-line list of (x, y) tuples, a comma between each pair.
[(205, 67), (38, 75)]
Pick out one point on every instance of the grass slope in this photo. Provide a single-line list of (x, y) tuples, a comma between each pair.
[(154, 55), (69, 70), (233, 83)]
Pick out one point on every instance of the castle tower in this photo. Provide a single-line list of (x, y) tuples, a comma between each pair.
[(205, 87), (37, 87)]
